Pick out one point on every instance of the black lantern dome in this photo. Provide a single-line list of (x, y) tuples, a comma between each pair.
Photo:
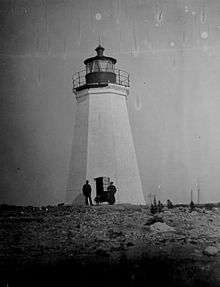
[(100, 69)]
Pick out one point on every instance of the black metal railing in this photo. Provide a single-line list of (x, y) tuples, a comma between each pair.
[(122, 78), (79, 80)]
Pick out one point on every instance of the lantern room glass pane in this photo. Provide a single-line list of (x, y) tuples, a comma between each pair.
[(110, 67), (95, 66), (100, 66), (89, 68)]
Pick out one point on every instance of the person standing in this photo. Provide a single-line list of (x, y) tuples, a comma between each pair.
[(111, 192), (87, 193)]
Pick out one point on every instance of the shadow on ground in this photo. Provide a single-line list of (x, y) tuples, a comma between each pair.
[(144, 272)]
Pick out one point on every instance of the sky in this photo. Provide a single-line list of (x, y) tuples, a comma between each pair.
[(171, 48)]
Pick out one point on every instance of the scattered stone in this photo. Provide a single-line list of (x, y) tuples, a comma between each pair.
[(118, 207), (153, 219), (102, 252), (193, 213), (162, 240), (145, 228), (198, 253), (193, 241), (103, 231), (181, 208), (165, 208), (218, 246), (181, 238), (209, 211), (216, 209), (167, 212), (161, 227), (129, 243), (114, 233), (210, 251)]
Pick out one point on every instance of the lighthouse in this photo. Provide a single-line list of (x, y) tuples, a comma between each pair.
[(103, 148)]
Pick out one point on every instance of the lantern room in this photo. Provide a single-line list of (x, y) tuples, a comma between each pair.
[(100, 69), (99, 72)]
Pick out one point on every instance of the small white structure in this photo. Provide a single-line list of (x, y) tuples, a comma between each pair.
[(103, 144)]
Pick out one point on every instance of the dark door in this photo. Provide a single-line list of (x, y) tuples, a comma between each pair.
[(99, 186), (102, 184)]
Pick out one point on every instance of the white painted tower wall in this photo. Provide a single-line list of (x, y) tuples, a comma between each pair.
[(103, 145)]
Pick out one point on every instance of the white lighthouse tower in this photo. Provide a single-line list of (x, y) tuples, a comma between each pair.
[(103, 148)]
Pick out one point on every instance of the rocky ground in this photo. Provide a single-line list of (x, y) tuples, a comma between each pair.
[(109, 245)]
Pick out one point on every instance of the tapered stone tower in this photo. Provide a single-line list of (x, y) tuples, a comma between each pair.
[(103, 145)]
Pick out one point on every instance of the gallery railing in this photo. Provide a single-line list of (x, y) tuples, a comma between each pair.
[(79, 80)]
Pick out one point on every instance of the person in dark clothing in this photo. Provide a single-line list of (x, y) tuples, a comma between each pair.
[(153, 209), (87, 193), (111, 193), (192, 206), (169, 204), (159, 206)]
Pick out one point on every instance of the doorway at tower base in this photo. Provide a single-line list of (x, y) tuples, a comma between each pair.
[(103, 193)]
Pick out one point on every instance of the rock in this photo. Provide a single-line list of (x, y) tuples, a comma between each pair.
[(145, 228), (118, 207), (194, 213), (218, 246), (102, 252), (129, 243), (162, 240), (165, 208), (161, 227), (114, 233), (115, 247), (197, 253), (181, 238), (216, 209), (208, 211), (193, 241), (167, 212), (210, 251), (153, 219), (131, 207), (182, 209)]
